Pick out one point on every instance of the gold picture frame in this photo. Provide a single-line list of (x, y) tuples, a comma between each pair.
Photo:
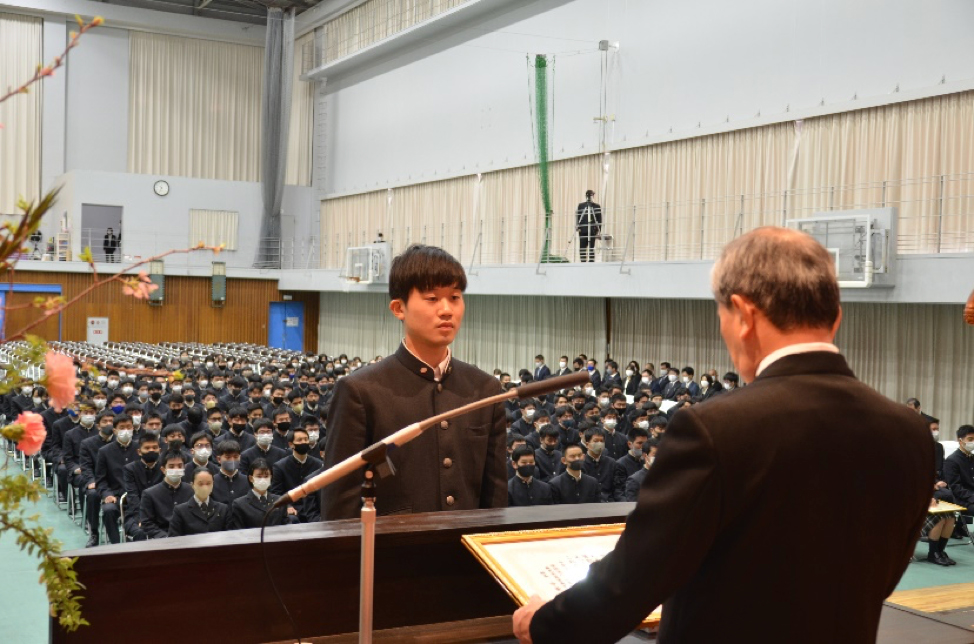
[(524, 562)]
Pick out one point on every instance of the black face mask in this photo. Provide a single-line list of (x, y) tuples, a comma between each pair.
[(548, 448), (278, 400), (174, 444), (238, 427), (302, 448), (284, 426), (150, 458), (579, 406), (575, 466), (189, 399), (525, 471)]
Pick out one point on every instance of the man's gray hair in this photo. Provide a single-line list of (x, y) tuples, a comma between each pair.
[(787, 274)]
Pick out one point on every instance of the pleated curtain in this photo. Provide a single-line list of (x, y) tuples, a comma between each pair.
[(20, 115)]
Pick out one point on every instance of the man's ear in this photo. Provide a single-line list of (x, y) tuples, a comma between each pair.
[(398, 308), (745, 312), (835, 326)]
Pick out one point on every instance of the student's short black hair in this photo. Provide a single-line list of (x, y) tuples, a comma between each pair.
[(650, 445), (514, 437), (170, 455), (200, 470), (213, 410), (121, 418), (523, 450), (964, 430), (259, 464), (176, 398), (237, 411), (308, 421), (149, 437), (261, 423), (293, 432), (196, 437), (549, 431), (658, 421), (295, 394), (636, 432), (423, 268), (227, 446), (592, 432), (688, 370), (568, 447), (730, 376), (173, 429)]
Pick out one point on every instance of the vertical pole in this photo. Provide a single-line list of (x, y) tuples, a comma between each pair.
[(703, 206), (940, 216), (524, 241), (666, 230), (502, 257), (632, 234)]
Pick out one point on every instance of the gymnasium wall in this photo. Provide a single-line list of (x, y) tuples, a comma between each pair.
[(185, 316)]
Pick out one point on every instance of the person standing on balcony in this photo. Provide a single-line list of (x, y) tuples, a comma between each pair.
[(110, 245), (588, 223)]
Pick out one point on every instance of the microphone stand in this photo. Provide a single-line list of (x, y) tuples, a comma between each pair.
[(375, 459)]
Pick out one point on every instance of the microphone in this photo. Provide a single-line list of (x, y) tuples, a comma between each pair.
[(376, 454), (551, 385)]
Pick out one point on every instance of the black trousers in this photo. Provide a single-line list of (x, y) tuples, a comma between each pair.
[(586, 242)]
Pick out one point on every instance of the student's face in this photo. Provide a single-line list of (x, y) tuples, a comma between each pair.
[(550, 441), (505, 379), (256, 414), (431, 318), (514, 446), (175, 436), (572, 454), (638, 443), (149, 447), (525, 460), (154, 425), (596, 439)]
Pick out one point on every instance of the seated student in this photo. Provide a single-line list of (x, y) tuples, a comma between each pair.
[(291, 471), (533, 437), (109, 473), (938, 527), (201, 514), (616, 444), (215, 425), (157, 502), (282, 427), (547, 458), (514, 440), (523, 489), (264, 435), (312, 425), (632, 461), (248, 511), (564, 422), (634, 482), (573, 485), (174, 438), (959, 472), (194, 421), (599, 466), (228, 483), (731, 381), (89, 449), (239, 432), (201, 449), (657, 426), (138, 476)]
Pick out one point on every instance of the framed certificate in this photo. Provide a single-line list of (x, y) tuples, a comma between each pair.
[(545, 562)]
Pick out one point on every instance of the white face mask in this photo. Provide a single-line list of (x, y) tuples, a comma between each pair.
[(643, 424), (204, 383), (218, 384), (124, 436), (265, 439), (936, 435), (969, 446), (102, 379), (646, 380), (589, 391), (127, 391), (113, 383), (136, 420), (728, 385), (202, 453), (87, 420), (100, 403), (629, 373), (26, 390), (604, 402), (262, 484), (529, 414), (704, 384), (610, 423), (672, 377), (175, 475), (37, 401), (313, 437), (562, 364), (177, 388), (686, 380)]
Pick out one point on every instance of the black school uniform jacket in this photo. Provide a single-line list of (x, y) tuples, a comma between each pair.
[(459, 465), (188, 518)]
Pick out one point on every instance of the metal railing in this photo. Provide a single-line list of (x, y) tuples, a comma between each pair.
[(934, 215)]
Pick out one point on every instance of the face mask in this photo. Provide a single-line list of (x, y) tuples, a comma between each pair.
[(610, 423), (344, 361), (218, 384), (264, 439), (230, 466), (106, 430), (127, 391), (603, 402), (202, 453), (645, 380), (313, 436), (704, 384), (590, 391), (629, 373), (238, 427), (969, 447), (525, 471), (112, 384), (175, 475), (204, 383), (302, 449), (189, 399), (643, 424), (297, 409), (203, 492), (650, 461), (150, 457), (87, 420), (727, 385), (562, 364), (637, 454), (590, 368), (118, 409), (156, 396), (277, 400), (284, 426), (671, 377), (102, 379), (100, 403), (136, 420), (576, 466), (177, 388), (568, 424), (686, 380), (209, 364), (143, 396), (548, 448), (936, 435), (596, 447), (261, 484), (124, 436), (538, 364), (175, 444), (529, 414), (37, 401)]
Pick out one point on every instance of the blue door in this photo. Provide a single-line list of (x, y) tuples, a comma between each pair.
[(285, 327)]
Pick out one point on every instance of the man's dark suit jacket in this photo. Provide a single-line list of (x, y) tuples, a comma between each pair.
[(188, 518), (780, 457), (457, 466), (542, 373)]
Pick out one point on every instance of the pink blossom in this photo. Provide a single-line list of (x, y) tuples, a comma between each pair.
[(34, 432), (61, 379)]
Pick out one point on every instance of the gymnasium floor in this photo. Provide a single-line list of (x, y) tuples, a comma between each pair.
[(23, 607)]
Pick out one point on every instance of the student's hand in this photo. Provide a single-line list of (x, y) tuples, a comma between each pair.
[(78, 471), (91, 486), (292, 512), (941, 485), (109, 499), (522, 619)]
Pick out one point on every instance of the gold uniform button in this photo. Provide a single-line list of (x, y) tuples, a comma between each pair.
[(447, 463), (439, 387), (444, 425), (450, 500)]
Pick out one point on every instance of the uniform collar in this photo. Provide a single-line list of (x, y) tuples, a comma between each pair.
[(420, 368), (795, 349)]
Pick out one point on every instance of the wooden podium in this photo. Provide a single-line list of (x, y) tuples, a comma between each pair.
[(212, 588)]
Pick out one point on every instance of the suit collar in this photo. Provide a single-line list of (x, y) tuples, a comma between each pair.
[(816, 362), (417, 366)]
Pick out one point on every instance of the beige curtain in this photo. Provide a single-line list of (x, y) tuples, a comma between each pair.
[(214, 227), (194, 108), (374, 20), (20, 138), (685, 199), (503, 332), (300, 136)]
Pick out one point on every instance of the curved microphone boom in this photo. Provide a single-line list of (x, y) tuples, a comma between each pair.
[(376, 452)]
